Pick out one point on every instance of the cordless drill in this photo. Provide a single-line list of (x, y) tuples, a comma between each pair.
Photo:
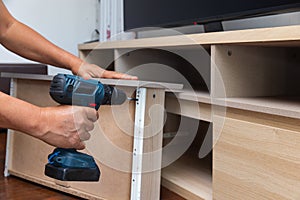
[(69, 164)]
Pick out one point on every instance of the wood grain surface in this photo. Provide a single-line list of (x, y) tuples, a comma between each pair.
[(14, 188)]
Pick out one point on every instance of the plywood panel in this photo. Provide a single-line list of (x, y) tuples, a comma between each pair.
[(190, 67), (189, 175), (286, 106), (278, 36), (255, 161), (111, 145), (104, 58), (152, 158), (244, 71), (188, 178), (31, 161), (114, 82), (187, 108)]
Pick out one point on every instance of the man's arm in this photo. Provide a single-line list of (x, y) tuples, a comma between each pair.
[(24, 41), (27, 43), (53, 125)]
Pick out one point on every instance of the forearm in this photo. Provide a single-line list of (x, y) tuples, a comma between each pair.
[(19, 115), (27, 43), (53, 125)]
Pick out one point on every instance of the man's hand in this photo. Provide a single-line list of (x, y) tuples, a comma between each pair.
[(66, 126), (88, 71)]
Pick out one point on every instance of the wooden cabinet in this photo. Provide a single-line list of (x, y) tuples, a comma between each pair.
[(236, 120), (114, 143), (257, 157), (241, 90)]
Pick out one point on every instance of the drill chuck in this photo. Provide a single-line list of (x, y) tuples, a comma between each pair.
[(113, 96)]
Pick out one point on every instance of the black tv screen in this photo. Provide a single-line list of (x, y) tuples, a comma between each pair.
[(171, 13)]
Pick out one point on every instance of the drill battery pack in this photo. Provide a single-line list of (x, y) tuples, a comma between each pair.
[(71, 165)]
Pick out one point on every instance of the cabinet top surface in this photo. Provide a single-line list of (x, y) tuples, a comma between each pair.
[(277, 36), (116, 82)]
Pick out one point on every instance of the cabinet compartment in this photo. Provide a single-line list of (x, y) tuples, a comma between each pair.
[(262, 79), (257, 158), (103, 58), (188, 66), (191, 174)]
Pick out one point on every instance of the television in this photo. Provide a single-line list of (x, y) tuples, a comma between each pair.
[(141, 14)]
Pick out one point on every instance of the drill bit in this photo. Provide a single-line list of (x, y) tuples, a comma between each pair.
[(132, 99)]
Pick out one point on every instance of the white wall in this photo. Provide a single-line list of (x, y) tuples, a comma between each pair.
[(64, 22)]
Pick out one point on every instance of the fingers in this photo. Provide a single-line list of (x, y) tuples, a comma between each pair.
[(80, 146), (90, 127), (84, 135), (92, 114), (88, 71), (85, 122), (128, 77), (117, 75), (67, 126)]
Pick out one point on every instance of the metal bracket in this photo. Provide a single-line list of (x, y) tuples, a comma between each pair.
[(138, 142)]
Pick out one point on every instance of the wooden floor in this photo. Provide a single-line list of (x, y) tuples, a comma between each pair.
[(13, 188)]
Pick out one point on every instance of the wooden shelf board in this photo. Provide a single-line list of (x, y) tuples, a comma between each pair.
[(196, 105), (116, 82), (189, 180), (278, 36), (188, 108), (282, 106), (195, 96)]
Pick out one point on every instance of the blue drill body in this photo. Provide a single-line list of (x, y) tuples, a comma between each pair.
[(69, 164), (73, 90)]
